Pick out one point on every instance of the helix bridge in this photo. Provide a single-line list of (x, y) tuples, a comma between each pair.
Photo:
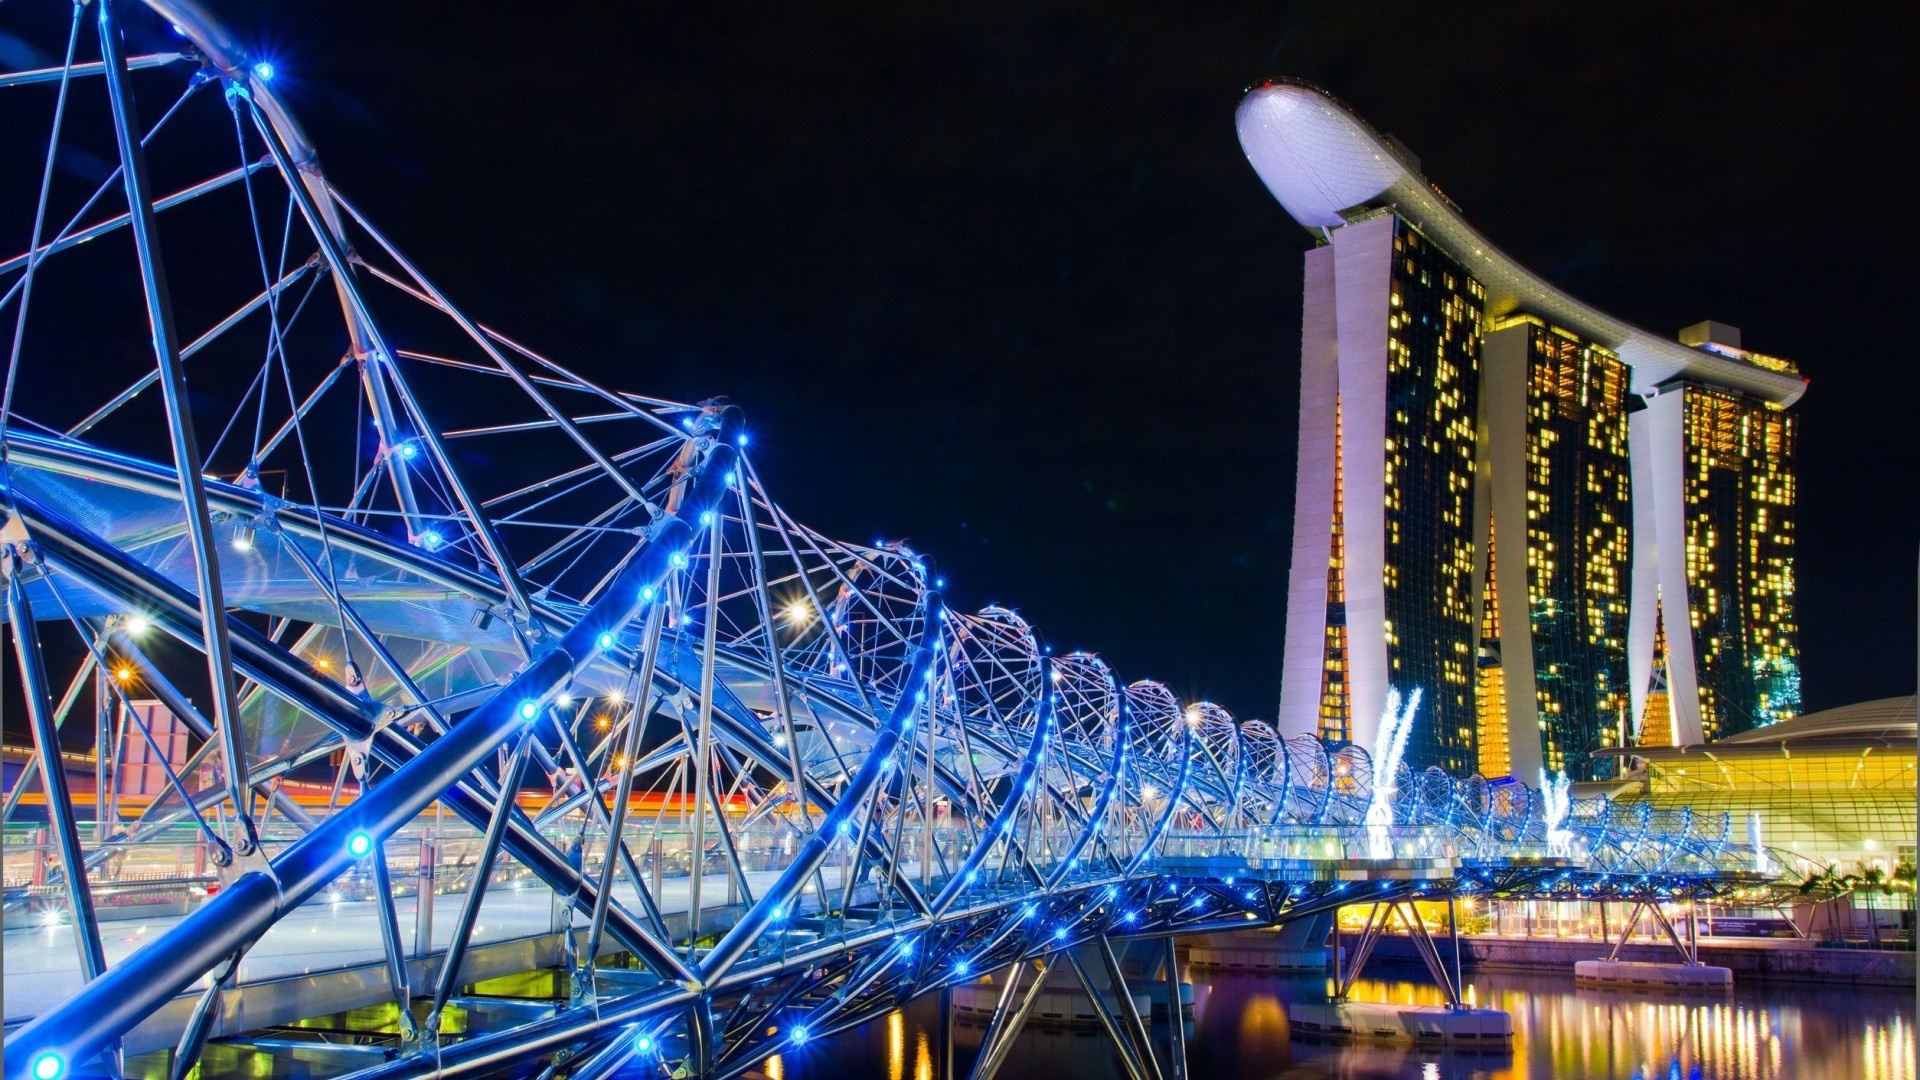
[(483, 667)]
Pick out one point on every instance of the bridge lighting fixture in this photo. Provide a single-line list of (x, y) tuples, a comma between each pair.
[(124, 674), (529, 710), (1059, 933), (963, 968), (360, 844), (138, 624), (432, 540), (706, 517), (606, 641), (740, 439), (644, 1044), (799, 1034), (242, 536), (730, 477), (615, 696), (800, 612), (264, 70), (49, 1065), (679, 559), (646, 593), (779, 912)]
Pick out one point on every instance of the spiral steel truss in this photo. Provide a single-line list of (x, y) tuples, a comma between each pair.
[(554, 639)]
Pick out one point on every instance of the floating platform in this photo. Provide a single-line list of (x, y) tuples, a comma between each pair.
[(1645, 977), (1425, 1025)]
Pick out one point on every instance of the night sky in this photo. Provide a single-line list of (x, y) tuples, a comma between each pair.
[(997, 280)]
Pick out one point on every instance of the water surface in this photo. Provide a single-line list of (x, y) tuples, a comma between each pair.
[(1758, 1032)]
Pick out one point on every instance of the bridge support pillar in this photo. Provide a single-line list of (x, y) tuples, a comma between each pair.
[(1176, 1016), (1452, 1024)]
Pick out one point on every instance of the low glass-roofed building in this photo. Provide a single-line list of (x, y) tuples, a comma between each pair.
[(1828, 789)]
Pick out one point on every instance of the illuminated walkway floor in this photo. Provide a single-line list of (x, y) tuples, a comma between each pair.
[(42, 968)]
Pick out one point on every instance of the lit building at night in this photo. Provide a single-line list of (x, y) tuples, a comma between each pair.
[(1569, 532), (1829, 789)]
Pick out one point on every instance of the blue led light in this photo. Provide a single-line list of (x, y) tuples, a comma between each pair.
[(678, 558), (687, 422), (408, 449), (1059, 933), (741, 438), (606, 641), (779, 912), (264, 70), (706, 517), (359, 844), (433, 541), (963, 967), (730, 477), (646, 593), (939, 583), (644, 1044), (529, 710), (49, 1065), (799, 1034), (846, 827)]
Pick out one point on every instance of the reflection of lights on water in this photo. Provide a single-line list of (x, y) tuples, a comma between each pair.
[(896, 1045), (776, 1069), (922, 1057), (1263, 1018), (1430, 1070)]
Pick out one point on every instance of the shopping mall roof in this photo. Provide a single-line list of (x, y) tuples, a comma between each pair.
[(1324, 163), (1886, 724)]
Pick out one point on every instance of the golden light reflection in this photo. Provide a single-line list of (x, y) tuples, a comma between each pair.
[(1263, 1018), (922, 1057), (896, 1045), (776, 1069)]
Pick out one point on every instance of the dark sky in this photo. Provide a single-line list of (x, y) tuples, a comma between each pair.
[(996, 278)]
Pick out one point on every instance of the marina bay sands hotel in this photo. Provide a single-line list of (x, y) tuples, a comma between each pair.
[(1569, 532)]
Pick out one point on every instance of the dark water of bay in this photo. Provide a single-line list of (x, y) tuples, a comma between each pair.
[(1758, 1032)]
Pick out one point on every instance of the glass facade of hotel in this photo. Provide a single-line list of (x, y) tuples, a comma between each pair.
[(1740, 495), (1579, 516), (1433, 385)]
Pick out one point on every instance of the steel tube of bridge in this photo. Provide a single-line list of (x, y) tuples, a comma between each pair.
[(781, 894), (186, 446), (238, 915), (477, 888), (53, 772)]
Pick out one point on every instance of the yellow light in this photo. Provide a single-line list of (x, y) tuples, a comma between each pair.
[(616, 697), (603, 723), (125, 674), (799, 612), (325, 664)]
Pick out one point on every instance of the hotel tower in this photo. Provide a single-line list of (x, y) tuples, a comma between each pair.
[(1568, 532)]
